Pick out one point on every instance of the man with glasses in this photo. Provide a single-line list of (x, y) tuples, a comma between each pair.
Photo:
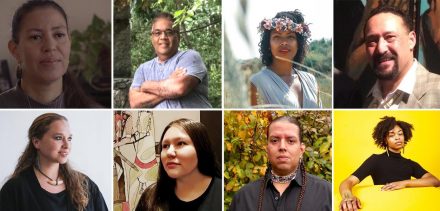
[(174, 79)]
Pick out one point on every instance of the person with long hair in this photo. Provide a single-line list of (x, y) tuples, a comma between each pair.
[(43, 179), (390, 168), (41, 45), (189, 177), (283, 45), (286, 184)]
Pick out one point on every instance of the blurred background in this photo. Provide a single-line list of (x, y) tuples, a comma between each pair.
[(241, 39)]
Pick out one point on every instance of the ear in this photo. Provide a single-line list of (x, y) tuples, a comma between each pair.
[(36, 143), (302, 147), (412, 40), (12, 46)]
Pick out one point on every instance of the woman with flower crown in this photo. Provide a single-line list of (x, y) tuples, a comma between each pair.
[(283, 45)]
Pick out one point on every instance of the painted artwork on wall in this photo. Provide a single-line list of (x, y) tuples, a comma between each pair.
[(135, 161)]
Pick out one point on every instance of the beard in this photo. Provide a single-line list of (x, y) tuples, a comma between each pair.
[(382, 75)]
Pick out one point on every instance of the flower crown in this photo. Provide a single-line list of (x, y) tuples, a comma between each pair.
[(284, 24)]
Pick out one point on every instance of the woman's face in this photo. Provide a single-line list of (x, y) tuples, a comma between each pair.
[(178, 156), (55, 145), (283, 44), (395, 139), (43, 48)]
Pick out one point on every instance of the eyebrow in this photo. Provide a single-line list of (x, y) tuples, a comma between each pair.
[(53, 28)]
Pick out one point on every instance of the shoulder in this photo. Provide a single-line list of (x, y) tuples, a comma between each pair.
[(146, 64), (318, 183), (190, 54), (259, 75), (10, 97), (252, 187), (17, 183)]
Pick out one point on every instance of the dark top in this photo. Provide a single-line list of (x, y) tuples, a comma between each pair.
[(210, 200), (16, 98), (317, 196), (24, 193), (384, 169)]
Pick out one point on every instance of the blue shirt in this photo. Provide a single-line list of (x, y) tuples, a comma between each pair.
[(154, 70)]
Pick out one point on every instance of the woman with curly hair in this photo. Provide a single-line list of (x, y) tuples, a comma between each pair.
[(283, 45), (389, 168), (43, 179)]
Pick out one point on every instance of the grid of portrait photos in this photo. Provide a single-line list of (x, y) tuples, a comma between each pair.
[(219, 105)]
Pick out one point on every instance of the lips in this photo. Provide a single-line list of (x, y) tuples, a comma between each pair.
[(283, 158), (384, 59), (172, 165), (64, 153), (49, 60), (284, 50)]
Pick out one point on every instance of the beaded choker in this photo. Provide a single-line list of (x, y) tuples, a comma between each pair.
[(282, 179)]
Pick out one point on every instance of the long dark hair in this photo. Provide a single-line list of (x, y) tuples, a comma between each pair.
[(267, 174), (74, 96), (157, 195), (76, 183), (265, 53)]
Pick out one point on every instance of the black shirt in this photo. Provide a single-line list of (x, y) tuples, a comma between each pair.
[(317, 196), (385, 169), (210, 200), (25, 193)]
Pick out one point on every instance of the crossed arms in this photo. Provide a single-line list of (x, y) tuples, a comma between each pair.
[(151, 93)]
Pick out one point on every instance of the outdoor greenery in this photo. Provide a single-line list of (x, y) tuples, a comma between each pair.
[(245, 142), (200, 29)]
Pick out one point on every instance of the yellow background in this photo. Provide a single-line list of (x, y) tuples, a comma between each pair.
[(353, 144)]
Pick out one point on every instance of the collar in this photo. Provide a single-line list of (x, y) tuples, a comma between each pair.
[(392, 154), (58, 102), (164, 62), (406, 86)]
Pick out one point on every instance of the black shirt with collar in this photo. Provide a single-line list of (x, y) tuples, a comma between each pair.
[(317, 196), (385, 169)]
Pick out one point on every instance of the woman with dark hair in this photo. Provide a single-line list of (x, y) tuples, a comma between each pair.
[(189, 177), (389, 168), (283, 45), (41, 45), (286, 185), (43, 179)]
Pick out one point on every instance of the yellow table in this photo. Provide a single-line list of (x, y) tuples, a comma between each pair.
[(372, 198)]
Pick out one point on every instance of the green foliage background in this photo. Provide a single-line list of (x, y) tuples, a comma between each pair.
[(200, 29), (245, 145)]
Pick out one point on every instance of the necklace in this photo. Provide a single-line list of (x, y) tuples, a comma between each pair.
[(282, 179), (51, 181)]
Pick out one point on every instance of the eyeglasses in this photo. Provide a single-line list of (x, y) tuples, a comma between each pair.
[(168, 33)]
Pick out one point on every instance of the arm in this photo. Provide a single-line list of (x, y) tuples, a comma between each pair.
[(427, 180), (253, 95), (177, 85), (140, 99), (349, 201)]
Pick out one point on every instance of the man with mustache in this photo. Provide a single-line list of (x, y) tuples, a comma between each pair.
[(286, 184), (401, 81), (174, 79)]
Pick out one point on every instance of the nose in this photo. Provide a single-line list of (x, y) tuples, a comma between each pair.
[(49, 44), (282, 145), (171, 151), (382, 46), (66, 143)]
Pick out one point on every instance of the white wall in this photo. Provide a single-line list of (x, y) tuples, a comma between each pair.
[(91, 145), (163, 118), (79, 14)]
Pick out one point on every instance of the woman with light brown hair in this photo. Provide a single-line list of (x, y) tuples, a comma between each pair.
[(43, 178)]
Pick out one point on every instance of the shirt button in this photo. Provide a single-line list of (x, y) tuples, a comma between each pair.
[(276, 197)]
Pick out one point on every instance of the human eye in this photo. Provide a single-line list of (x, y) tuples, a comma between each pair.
[(181, 143), (60, 35), (70, 138), (273, 140), (165, 146), (169, 32), (156, 33), (291, 141), (390, 38), (58, 138), (291, 37), (35, 37)]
